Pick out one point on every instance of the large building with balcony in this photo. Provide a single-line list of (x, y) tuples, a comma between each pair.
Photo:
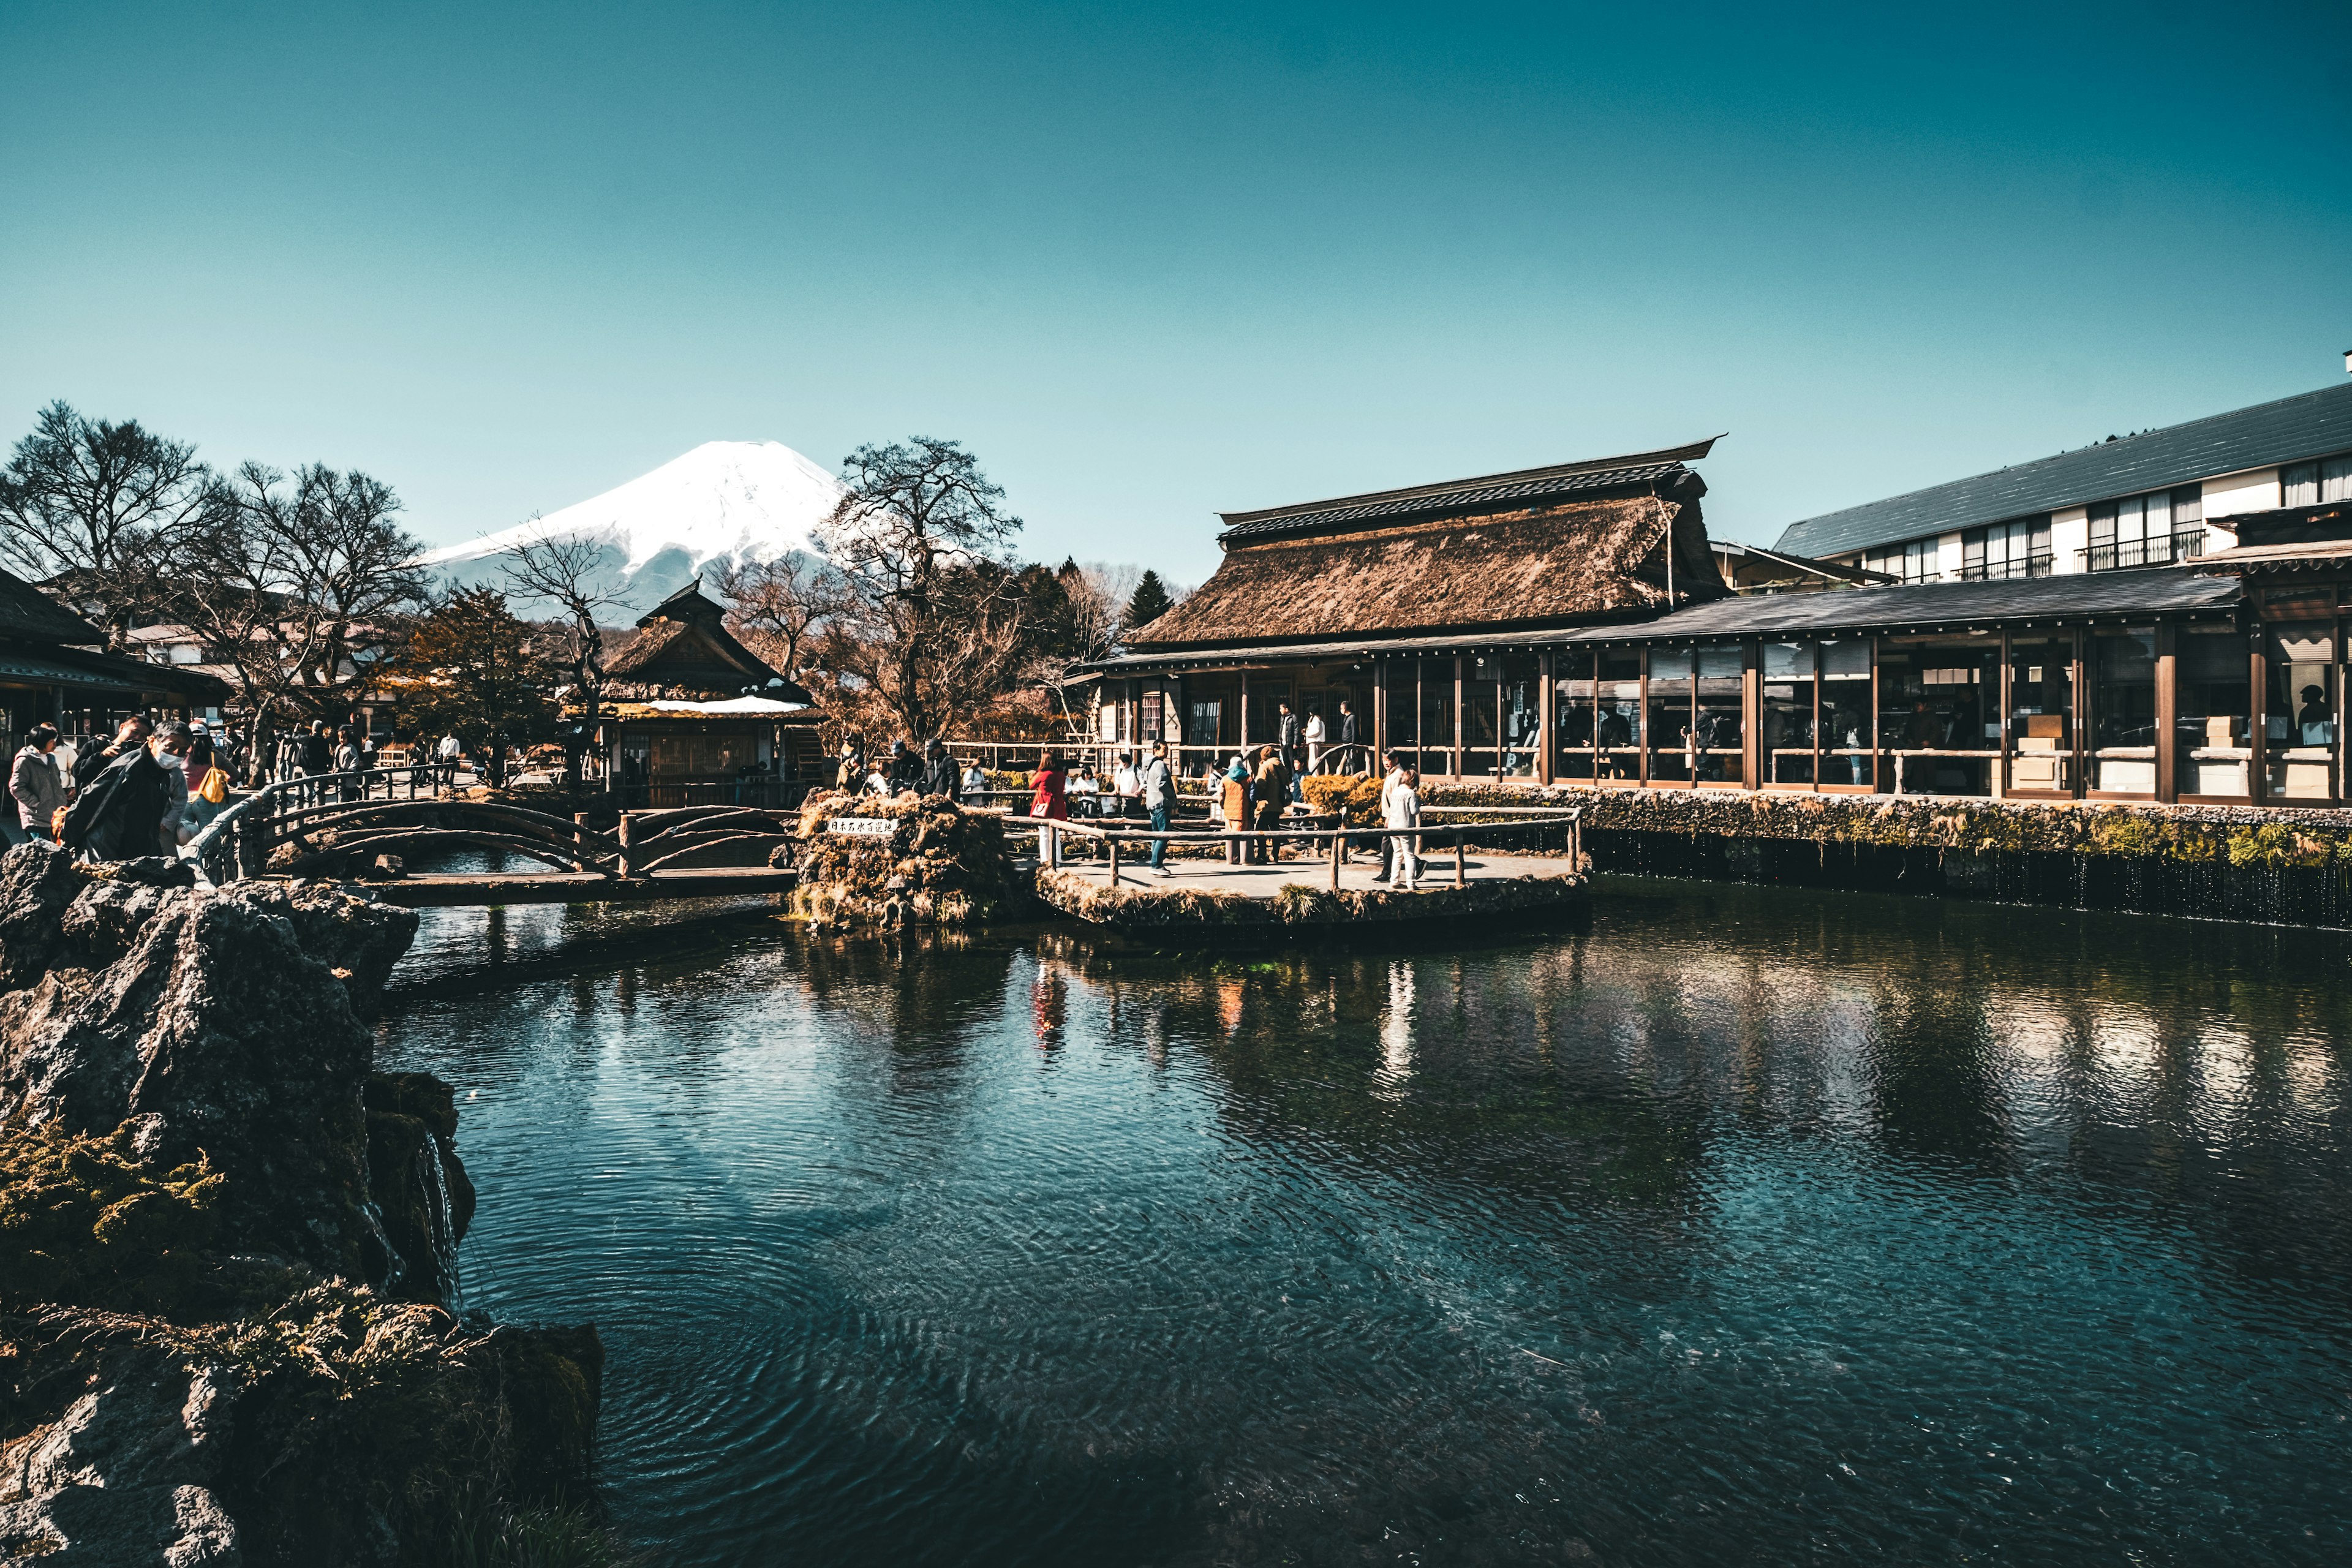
[(2156, 498), (2161, 618)]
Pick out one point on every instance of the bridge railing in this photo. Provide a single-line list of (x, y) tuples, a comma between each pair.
[(235, 844), (403, 810), (1336, 840)]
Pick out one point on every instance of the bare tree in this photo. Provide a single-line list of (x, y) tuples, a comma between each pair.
[(777, 607), (567, 572), (929, 628), (234, 594), (105, 506), (286, 577)]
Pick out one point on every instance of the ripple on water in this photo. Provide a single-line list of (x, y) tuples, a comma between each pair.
[(1743, 1226)]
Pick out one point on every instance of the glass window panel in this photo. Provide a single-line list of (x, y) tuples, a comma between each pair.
[(2336, 478), (1847, 737), (1788, 712), (2123, 712), (1671, 732), (1572, 715), (1402, 721), (1620, 681), (2213, 705), (2299, 485), (2188, 506), (1436, 716), (2041, 716), (1937, 718), (1522, 716), (2299, 711), (1481, 691), (1720, 728)]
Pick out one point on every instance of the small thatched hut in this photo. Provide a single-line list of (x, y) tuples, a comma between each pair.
[(695, 717), (1428, 612)]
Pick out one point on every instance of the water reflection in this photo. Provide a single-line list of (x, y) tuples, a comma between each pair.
[(1739, 1224)]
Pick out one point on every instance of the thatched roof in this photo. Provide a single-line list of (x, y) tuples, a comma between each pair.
[(1559, 562), (684, 649), (27, 615)]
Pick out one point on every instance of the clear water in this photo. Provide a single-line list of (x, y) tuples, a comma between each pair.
[(1736, 1226)]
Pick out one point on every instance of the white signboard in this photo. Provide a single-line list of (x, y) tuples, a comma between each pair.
[(861, 827)]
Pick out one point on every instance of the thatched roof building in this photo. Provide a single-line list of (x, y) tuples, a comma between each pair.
[(1426, 611), (694, 717), (684, 650), (52, 669), (1560, 546)]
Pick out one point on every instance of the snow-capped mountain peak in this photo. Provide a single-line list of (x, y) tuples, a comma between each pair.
[(724, 501)]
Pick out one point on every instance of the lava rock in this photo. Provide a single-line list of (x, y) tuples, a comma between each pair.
[(223, 1022)]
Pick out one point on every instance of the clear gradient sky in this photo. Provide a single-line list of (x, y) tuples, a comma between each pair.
[(1152, 261)]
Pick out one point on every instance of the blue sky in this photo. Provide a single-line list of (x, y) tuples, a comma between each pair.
[(1153, 261)]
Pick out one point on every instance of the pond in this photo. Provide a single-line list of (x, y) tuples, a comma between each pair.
[(1728, 1225)]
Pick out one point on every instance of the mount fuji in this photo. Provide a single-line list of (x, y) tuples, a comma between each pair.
[(725, 501)]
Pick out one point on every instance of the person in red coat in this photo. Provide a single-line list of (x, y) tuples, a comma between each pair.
[(1049, 800)]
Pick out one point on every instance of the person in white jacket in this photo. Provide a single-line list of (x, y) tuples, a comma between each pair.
[(1402, 808), (1315, 735)]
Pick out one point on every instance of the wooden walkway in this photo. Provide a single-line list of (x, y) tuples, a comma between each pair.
[(1267, 881)]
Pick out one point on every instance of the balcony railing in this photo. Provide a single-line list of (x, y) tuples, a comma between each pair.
[(2164, 550), (2034, 565)]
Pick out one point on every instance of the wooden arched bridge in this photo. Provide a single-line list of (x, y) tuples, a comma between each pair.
[(363, 827)]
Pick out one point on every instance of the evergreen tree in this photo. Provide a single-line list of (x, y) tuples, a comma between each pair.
[(471, 667), (1150, 601)]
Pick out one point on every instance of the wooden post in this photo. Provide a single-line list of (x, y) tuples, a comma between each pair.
[(1754, 756), (1461, 870), (1461, 761), (1336, 841), (2258, 769), (2003, 742), (1546, 664), (2168, 716), (628, 859)]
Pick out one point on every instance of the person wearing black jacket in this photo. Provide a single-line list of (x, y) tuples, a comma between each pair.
[(939, 774), (315, 758), (904, 770), (1287, 736), (119, 812)]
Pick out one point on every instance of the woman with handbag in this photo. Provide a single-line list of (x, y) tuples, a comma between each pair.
[(207, 786), (1049, 801)]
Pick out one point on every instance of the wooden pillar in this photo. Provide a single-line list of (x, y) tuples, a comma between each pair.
[(1378, 718), (1457, 770), (1753, 761), (1241, 679), (1879, 783), (1547, 663), (2078, 704), (2258, 781), (1641, 725), (2001, 740), (2167, 709)]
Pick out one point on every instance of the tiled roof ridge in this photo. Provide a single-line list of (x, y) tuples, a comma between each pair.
[(2205, 450), (1467, 493)]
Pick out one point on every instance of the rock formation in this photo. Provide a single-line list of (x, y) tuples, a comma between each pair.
[(227, 1245), (937, 864)]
